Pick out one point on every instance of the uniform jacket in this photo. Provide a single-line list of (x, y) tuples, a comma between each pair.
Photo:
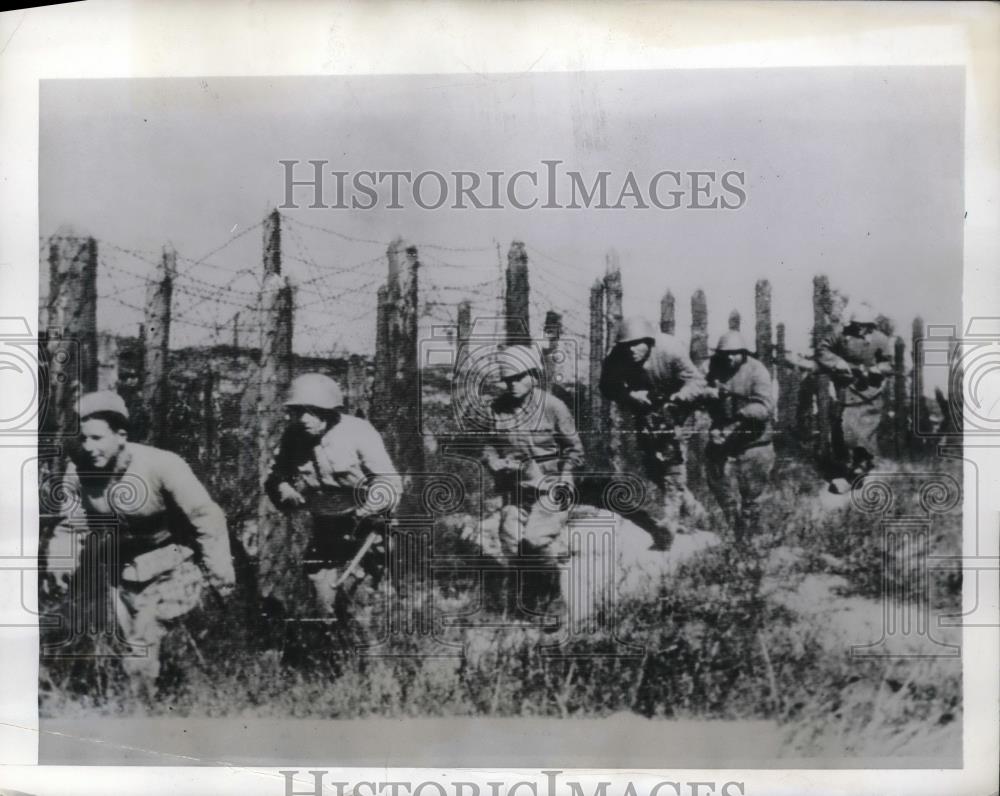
[(333, 474), (746, 398), (153, 499), (539, 432), (837, 353), (667, 370)]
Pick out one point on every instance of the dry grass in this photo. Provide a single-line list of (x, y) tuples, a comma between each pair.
[(721, 640)]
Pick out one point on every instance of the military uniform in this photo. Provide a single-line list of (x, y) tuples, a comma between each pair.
[(539, 434), (740, 454), (859, 365), (349, 484), (666, 373), (161, 525)]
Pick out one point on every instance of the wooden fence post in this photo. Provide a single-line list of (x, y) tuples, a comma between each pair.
[(381, 399), (107, 361), (356, 383), (279, 545), (517, 297), (822, 328), (613, 323), (596, 360), (155, 370), (762, 306), (699, 328), (554, 367), (901, 426), (72, 318), (396, 363), (788, 388), (411, 454), (668, 323), (464, 320), (919, 403), (734, 321), (210, 431)]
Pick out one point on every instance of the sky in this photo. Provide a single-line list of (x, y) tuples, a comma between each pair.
[(855, 173)]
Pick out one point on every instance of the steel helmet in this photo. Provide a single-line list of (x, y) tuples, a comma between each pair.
[(635, 329), (863, 314), (732, 342), (104, 401), (516, 359), (315, 389)]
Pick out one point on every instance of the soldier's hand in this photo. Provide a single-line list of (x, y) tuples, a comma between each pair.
[(710, 392), (506, 465), (290, 496), (640, 397), (717, 436)]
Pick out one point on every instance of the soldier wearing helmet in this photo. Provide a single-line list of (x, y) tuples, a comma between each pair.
[(858, 358), (337, 466), (532, 453), (740, 454), (651, 376), (143, 508)]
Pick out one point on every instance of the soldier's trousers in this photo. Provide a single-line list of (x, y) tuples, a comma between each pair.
[(125, 609), (356, 599), (856, 432), (678, 509), (533, 538), (737, 480), (146, 611)]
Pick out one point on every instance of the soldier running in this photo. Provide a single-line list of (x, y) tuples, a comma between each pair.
[(337, 466), (138, 526), (740, 454), (652, 376), (858, 358), (532, 454)]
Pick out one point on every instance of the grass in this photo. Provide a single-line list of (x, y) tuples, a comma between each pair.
[(719, 640)]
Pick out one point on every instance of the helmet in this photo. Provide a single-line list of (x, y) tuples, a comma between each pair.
[(732, 342), (516, 359), (315, 389), (635, 329), (863, 314), (104, 401)]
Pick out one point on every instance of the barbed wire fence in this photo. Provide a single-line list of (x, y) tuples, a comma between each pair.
[(203, 349)]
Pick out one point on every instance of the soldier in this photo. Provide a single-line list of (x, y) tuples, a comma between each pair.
[(338, 467), (858, 359), (740, 454), (159, 525), (652, 376), (532, 455)]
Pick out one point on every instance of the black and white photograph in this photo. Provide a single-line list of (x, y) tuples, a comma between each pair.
[(553, 418)]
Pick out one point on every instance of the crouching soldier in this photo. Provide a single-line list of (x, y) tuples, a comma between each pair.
[(337, 467), (139, 525), (651, 376), (533, 452), (858, 359), (740, 454)]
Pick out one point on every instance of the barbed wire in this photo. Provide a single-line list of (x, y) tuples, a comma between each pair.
[(330, 231)]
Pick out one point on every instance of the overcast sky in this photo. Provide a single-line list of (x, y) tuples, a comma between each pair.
[(855, 173)]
